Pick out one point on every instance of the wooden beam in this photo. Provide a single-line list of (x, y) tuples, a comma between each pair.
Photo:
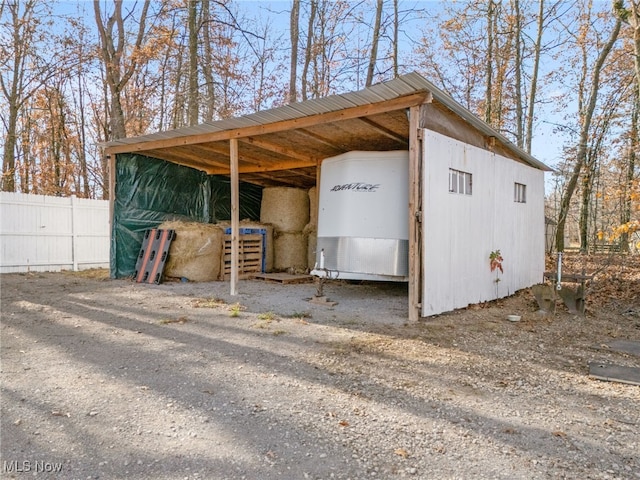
[(415, 217), (275, 148), (189, 160), (235, 216), (271, 180), (303, 122), (385, 131), (319, 138)]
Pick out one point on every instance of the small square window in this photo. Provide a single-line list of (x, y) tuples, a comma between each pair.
[(460, 182), (519, 193)]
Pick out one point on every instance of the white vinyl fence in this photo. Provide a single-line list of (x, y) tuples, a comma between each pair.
[(48, 234)]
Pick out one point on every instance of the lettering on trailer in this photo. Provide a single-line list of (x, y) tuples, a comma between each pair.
[(356, 187)]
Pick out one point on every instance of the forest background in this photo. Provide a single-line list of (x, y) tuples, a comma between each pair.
[(561, 79)]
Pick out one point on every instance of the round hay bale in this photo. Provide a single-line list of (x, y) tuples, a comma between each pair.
[(313, 206), (287, 209), (290, 251), (196, 251)]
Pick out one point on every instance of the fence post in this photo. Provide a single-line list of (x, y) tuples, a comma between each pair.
[(74, 233)]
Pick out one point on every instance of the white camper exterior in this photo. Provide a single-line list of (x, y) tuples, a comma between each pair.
[(504, 210), (363, 228)]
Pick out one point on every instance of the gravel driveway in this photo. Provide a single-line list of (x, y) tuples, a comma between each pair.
[(115, 380)]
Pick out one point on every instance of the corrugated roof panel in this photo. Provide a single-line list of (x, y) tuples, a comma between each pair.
[(384, 91), (401, 86), (275, 115), (239, 122), (364, 97), (416, 81), (313, 107)]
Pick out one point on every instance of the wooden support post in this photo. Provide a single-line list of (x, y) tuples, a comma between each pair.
[(112, 200), (235, 216), (415, 216)]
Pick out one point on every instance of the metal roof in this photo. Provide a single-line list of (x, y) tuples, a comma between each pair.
[(295, 137)]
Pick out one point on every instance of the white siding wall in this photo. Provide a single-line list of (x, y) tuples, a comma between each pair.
[(41, 233), (460, 231)]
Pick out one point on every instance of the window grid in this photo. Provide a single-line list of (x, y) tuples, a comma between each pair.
[(519, 193), (460, 182)]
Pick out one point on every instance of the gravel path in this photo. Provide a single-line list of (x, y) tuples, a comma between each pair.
[(115, 380)]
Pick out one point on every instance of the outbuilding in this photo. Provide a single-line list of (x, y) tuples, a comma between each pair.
[(472, 195)]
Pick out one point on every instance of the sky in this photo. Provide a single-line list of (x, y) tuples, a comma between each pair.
[(546, 145)]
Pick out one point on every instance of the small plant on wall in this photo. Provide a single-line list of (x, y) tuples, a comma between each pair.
[(495, 263)]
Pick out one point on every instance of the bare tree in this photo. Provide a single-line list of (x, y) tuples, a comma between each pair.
[(586, 117), (25, 70), (120, 58)]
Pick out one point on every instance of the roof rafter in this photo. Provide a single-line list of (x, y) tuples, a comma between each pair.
[(385, 131)]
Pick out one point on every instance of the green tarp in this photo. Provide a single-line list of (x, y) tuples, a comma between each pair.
[(149, 191)]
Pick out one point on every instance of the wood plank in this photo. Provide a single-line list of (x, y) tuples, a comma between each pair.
[(235, 218), (303, 122), (614, 373), (626, 346), (568, 277), (414, 226), (283, 278)]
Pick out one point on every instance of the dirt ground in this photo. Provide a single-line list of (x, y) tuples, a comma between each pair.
[(112, 379)]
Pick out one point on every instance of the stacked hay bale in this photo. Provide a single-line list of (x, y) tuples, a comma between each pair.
[(196, 252), (311, 229), (287, 209)]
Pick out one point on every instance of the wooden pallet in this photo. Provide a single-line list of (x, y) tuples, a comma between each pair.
[(153, 255), (283, 278), (250, 255)]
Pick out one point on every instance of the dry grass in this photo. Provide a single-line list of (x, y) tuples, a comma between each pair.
[(93, 273)]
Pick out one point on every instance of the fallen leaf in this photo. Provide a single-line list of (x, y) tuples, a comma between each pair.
[(343, 423), (402, 452)]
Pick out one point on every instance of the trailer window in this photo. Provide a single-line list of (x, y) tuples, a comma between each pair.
[(519, 193), (460, 182)]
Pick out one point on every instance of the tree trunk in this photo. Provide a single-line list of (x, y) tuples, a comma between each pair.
[(533, 87), (294, 30), (308, 54), (207, 69), (587, 190), (374, 44), (488, 114), (396, 30), (517, 36), (192, 95), (631, 165)]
